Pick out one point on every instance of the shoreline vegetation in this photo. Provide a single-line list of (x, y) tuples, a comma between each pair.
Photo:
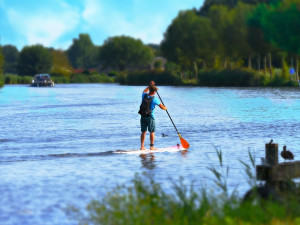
[(238, 43), (210, 78), (145, 202)]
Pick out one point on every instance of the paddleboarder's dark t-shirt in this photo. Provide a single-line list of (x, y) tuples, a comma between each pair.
[(153, 103)]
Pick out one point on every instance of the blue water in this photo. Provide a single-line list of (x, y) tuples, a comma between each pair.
[(56, 143)]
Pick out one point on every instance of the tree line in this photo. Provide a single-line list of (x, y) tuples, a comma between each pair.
[(257, 35), (252, 40)]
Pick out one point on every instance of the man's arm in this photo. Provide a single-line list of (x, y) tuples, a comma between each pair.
[(162, 106), (146, 90)]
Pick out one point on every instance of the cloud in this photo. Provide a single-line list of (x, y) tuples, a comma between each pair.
[(91, 12), (42, 25), (114, 20), (55, 23)]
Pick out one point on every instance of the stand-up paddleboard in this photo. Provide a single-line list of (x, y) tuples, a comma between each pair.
[(147, 151)]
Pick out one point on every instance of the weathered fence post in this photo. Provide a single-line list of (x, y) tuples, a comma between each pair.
[(272, 153)]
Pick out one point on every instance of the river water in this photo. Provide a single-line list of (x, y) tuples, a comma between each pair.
[(56, 144)]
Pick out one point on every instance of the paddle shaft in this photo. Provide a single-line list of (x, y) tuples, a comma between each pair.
[(168, 114)]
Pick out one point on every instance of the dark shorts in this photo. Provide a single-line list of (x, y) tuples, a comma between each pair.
[(147, 122)]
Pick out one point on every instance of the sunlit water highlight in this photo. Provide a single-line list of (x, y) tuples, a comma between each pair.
[(56, 144)]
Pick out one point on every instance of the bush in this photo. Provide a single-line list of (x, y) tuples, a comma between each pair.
[(60, 80), (16, 79), (100, 78), (121, 78), (91, 78), (160, 77), (79, 78), (280, 81), (234, 78), (1, 81), (145, 202)]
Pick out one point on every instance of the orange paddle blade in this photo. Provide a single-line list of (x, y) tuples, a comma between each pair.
[(184, 143)]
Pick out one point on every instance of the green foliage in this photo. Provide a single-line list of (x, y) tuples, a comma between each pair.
[(61, 65), (1, 80), (285, 70), (280, 24), (122, 52), (16, 79), (121, 77), (1, 60), (228, 3), (34, 60), (189, 39), (94, 78), (235, 78), (11, 55), (144, 77), (172, 67), (1, 66), (100, 78), (83, 53), (280, 81), (158, 64), (147, 203), (79, 78), (60, 80)]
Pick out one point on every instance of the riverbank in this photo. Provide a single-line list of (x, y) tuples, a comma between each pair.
[(208, 78), (76, 78), (211, 78)]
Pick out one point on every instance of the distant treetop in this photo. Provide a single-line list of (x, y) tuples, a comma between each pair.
[(229, 3)]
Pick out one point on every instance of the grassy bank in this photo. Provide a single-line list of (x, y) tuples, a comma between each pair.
[(243, 78), (76, 78), (1, 81), (210, 78), (143, 77), (145, 202)]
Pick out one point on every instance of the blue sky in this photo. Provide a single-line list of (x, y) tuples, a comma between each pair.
[(54, 23)]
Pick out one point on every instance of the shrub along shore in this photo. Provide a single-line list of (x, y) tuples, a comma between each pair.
[(146, 202), (211, 78)]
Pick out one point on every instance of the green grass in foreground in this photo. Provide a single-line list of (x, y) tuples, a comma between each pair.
[(147, 203)]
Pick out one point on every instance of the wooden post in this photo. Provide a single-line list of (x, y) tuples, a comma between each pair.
[(274, 171), (272, 153)]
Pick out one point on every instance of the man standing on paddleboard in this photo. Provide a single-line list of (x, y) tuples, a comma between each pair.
[(148, 119)]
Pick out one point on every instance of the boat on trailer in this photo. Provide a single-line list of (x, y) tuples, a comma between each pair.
[(42, 80)]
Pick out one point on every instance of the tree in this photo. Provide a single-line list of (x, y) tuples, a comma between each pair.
[(228, 3), (1, 61), (11, 55), (189, 40), (1, 66), (279, 24), (34, 59), (83, 53), (122, 52), (61, 65)]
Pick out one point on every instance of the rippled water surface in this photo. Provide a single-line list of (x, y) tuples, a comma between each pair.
[(56, 144)]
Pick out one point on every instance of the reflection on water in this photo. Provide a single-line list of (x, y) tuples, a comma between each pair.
[(148, 161), (184, 153)]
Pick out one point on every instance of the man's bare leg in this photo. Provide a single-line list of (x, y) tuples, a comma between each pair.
[(152, 137), (143, 135)]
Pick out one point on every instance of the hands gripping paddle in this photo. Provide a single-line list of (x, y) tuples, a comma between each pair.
[(184, 143)]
